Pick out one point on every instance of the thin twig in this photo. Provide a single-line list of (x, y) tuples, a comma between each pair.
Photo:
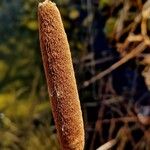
[(121, 119), (141, 47), (107, 145)]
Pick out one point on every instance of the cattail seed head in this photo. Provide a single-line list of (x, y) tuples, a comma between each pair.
[(60, 78)]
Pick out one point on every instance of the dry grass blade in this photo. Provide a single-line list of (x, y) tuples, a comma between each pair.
[(107, 145)]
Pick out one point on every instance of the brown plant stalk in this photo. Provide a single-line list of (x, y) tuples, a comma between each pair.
[(60, 78), (136, 51)]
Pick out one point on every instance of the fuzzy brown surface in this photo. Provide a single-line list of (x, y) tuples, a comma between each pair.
[(60, 78)]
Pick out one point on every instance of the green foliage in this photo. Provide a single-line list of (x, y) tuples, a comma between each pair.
[(109, 27), (24, 104), (103, 3)]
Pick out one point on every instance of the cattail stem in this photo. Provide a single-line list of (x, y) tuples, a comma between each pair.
[(60, 78)]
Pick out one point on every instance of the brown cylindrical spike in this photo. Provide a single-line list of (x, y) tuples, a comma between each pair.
[(60, 78)]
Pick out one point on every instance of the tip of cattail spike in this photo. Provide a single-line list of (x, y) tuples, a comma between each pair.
[(46, 2)]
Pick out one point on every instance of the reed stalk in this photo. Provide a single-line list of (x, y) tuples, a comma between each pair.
[(60, 77)]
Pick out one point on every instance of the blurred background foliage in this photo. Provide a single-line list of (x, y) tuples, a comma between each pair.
[(25, 117)]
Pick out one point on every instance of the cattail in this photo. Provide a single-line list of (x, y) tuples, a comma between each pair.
[(60, 78)]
